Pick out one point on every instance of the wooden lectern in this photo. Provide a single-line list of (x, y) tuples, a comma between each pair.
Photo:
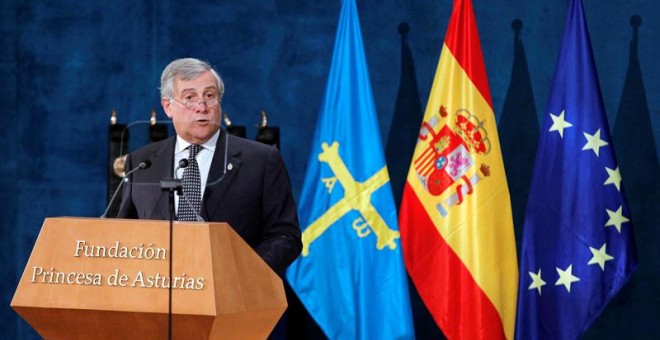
[(108, 279)]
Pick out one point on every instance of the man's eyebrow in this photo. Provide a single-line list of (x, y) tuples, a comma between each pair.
[(187, 90), (210, 87)]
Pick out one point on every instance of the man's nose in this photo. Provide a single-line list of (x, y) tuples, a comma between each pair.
[(201, 107)]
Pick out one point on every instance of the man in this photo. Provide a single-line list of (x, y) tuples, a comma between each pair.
[(241, 182)]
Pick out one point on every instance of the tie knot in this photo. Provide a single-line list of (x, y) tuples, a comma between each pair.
[(194, 150)]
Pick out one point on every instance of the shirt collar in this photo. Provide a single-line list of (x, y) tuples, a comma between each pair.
[(210, 144)]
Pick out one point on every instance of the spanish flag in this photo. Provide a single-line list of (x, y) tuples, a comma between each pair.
[(455, 218)]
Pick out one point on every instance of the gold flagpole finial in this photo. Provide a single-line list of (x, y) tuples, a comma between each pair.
[(152, 120), (227, 119), (113, 117), (264, 120)]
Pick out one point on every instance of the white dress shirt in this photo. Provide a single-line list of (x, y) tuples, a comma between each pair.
[(204, 159)]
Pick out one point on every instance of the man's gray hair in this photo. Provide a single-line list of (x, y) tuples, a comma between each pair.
[(186, 69)]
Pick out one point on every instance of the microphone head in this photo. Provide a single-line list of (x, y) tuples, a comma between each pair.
[(183, 163), (145, 164)]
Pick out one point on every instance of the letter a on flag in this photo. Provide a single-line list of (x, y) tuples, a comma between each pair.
[(578, 246), (456, 224), (350, 275)]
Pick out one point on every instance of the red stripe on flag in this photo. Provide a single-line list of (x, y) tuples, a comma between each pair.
[(462, 39), (455, 300)]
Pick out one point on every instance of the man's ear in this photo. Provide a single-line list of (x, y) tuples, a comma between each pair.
[(166, 103)]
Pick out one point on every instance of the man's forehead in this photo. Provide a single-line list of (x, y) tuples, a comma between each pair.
[(203, 82)]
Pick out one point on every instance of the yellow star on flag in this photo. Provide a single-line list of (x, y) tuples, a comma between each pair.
[(594, 142), (559, 124), (537, 281), (613, 177), (566, 278), (600, 256), (616, 218)]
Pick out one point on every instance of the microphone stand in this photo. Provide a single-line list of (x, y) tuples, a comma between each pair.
[(171, 185), (143, 165)]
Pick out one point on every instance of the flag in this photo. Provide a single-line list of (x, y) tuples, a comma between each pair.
[(578, 246), (456, 225), (350, 275)]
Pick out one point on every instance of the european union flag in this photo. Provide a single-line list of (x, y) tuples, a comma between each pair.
[(350, 276), (578, 244)]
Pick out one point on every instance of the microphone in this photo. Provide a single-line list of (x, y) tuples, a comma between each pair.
[(183, 163), (146, 164)]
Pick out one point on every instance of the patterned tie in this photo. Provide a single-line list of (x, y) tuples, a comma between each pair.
[(192, 185)]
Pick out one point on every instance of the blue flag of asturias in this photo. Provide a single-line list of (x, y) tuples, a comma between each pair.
[(578, 245), (350, 276)]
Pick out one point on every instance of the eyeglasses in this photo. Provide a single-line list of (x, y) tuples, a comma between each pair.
[(210, 100)]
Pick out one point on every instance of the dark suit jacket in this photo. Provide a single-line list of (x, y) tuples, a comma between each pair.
[(254, 197)]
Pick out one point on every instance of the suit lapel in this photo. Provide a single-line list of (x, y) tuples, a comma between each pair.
[(219, 181), (163, 164)]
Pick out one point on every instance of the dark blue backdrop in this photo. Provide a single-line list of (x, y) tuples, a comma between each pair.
[(64, 65)]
